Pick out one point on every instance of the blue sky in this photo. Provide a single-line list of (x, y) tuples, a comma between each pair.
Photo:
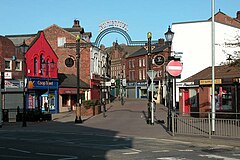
[(142, 16)]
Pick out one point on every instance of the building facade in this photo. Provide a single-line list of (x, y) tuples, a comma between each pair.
[(11, 62), (193, 39), (195, 91), (42, 76)]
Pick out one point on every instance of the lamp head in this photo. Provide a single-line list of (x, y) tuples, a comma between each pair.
[(169, 35)]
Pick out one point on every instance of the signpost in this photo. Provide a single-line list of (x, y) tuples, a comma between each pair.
[(174, 68), (152, 74)]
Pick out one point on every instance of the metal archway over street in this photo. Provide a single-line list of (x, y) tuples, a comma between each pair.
[(116, 26)]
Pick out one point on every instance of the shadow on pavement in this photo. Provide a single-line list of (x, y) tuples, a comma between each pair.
[(66, 140)]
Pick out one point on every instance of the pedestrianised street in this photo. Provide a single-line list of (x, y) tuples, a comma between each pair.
[(122, 134)]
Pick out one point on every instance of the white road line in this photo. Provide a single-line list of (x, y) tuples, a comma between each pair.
[(236, 154), (174, 141), (162, 151), (68, 157), (128, 153), (168, 158), (18, 150), (218, 157), (185, 150)]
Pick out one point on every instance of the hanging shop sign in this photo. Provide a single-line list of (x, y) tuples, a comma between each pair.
[(159, 60)]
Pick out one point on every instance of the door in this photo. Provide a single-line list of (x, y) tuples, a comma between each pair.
[(186, 105)]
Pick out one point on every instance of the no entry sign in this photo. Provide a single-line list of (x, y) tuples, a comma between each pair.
[(174, 68)]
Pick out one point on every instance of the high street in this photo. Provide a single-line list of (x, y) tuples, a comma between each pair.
[(123, 134)]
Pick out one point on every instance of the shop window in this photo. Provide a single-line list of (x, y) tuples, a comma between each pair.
[(226, 98), (193, 100)]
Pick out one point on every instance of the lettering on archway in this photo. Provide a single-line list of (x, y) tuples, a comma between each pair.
[(116, 26)]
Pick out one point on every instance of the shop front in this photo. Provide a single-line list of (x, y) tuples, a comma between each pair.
[(42, 95)]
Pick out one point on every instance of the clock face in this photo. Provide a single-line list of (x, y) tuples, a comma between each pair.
[(69, 62)]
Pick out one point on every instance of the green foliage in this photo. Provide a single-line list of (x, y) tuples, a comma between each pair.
[(88, 103)]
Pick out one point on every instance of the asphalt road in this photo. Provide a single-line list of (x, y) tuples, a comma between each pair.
[(123, 134)]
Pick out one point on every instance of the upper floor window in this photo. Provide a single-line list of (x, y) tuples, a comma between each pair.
[(143, 62), (140, 62), (8, 64), (61, 41), (35, 66), (41, 64), (18, 65)]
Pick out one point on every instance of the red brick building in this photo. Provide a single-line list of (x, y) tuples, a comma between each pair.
[(137, 67), (57, 37), (11, 61)]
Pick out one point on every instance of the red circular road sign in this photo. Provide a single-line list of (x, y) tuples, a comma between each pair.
[(174, 68)]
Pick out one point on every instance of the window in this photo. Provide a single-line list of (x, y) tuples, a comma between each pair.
[(132, 63), (61, 41), (140, 62), (18, 65), (140, 74), (8, 65), (143, 62), (143, 74), (41, 64), (131, 75), (35, 66)]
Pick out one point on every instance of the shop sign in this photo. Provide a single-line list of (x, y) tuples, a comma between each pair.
[(209, 81), (43, 84)]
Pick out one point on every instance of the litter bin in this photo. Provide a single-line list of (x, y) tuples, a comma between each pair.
[(5, 115)]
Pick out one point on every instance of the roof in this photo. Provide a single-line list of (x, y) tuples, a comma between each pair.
[(70, 81), (225, 71), (142, 51), (18, 39)]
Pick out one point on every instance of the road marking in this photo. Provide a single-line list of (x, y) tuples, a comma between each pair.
[(185, 150), (218, 157), (128, 153), (18, 150), (236, 154), (162, 151), (169, 158), (174, 141), (68, 157)]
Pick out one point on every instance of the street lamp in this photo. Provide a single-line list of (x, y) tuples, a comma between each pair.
[(78, 104), (149, 61), (169, 37), (48, 66), (24, 49), (103, 98)]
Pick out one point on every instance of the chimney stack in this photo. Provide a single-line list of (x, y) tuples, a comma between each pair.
[(161, 41), (76, 24)]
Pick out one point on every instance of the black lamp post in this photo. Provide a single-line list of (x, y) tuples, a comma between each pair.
[(149, 60), (103, 98), (169, 37), (78, 104), (24, 49)]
